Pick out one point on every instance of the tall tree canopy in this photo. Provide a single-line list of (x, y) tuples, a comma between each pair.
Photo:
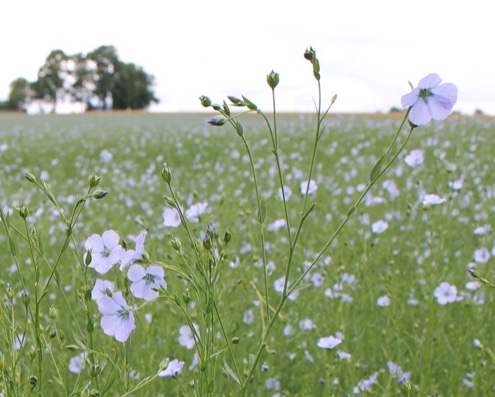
[(99, 79)]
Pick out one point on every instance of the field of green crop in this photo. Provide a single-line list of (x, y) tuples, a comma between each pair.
[(393, 291)]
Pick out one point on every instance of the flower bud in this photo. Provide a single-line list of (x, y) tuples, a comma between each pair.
[(186, 297), (235, 340), (33, 381), (23, 211), (272, 79), (30, 177), (207, 242), (52, 313), (176, 245), (205, 101), (99, 194), (26, 299), (10, 293), (217, 121), (236, 101), (227, 237), (94, 180), (309, 54), (166, 174)]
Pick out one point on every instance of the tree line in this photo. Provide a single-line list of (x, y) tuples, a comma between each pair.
[(99, 79)]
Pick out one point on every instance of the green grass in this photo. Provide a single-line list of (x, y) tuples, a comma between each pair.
[(420, 249)]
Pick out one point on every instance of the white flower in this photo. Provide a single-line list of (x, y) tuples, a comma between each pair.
[(287, 192), (173, 369), (383, 301), (105, 251), (312, 187), (196, 210), (329, 342), (131, 256), (430, 100), (117, 319), (433, 199), (77, 363), (399, 375), (145, 280), (105, 156), (445, 293), (307, 324), (102, 288), (457, 184), (186, 338), (415, 158), (276, 225), (481, 230), (171, 217), (379, 226), (481, 255), (343, 355)]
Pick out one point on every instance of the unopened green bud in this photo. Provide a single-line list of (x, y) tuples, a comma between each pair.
[(236, 101), (176, 245), (94, 393), (99, 194), (10, 293), (170, 201), (166, 174), (217, 121), (88, 258), (216, 107), (52, 313), (94, 180), (272, 79), (26, 299), (250, 105), (33, 380), (227, 237), (23, 211), (30, 177), (309, 54), (186, 297), (95, 370), (205, 101), (235, 340), (207, 242), (406, 386)]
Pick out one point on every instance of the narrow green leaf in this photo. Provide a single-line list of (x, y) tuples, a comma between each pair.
[(262, 211), (231, 373), (375, 171), (250, 105), (13, 250)]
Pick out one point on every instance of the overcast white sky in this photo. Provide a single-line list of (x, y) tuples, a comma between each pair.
[(368, 49)]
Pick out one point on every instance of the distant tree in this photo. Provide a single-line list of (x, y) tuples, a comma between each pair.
[(105, 59), (132, 87), (20, 94), (50, 85), (84, 86)]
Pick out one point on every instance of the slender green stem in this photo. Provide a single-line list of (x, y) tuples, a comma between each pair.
[(358, 201)]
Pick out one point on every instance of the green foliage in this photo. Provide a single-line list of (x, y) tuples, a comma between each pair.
[(20, 92), (99, 79), (408, 261)]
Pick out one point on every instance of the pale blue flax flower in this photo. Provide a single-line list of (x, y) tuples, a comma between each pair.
[(117, 318), (174, 368), (105, 250), (430, 100), (145, 281)]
